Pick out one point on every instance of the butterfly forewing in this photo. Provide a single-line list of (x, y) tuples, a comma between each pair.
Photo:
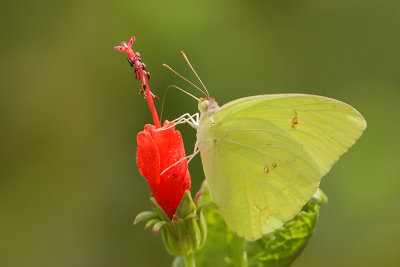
[(264, 156)]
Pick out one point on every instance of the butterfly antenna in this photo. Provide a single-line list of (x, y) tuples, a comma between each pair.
[(171, 69), (195, 73), (165, 94)]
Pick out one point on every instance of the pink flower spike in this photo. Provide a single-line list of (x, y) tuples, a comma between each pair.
[(131, 41), (127, 48), (140, 74)]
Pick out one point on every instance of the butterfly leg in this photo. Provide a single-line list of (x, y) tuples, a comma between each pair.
[(181, 117), (192, 120), (189, 158), (196, 150)]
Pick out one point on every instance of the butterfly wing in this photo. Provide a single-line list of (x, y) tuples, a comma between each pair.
[(264, 156)]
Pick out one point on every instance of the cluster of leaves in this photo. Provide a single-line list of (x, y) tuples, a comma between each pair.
[(279, 248), (183, 235)]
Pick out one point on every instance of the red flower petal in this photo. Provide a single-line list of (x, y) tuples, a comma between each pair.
[(159, 149), (147, 153)]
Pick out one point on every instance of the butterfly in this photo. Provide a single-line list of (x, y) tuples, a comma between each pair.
[(264, 156)]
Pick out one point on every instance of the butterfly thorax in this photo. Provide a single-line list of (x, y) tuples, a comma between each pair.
[(207, 107)]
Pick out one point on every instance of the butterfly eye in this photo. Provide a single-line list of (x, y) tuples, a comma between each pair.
[(203, 105)]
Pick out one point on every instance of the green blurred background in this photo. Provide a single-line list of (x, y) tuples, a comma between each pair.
[(70, 112)]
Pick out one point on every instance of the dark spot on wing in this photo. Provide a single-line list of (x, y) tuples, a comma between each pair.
[(266, 170), (274, 165), (295, 120)]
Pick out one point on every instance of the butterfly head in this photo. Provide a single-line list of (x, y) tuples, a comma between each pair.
[(207, 104)]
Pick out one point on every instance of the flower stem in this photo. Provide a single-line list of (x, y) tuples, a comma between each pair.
[(189, 260), (150, 101)]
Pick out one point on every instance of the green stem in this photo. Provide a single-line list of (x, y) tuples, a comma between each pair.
[(189, 260)]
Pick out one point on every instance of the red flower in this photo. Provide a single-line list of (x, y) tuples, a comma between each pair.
[(158, 149)]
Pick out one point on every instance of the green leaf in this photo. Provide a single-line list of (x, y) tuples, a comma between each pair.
[(159, 211), (151, 222), (279, 248), (186, 206), (157, 226), (144, 216)]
